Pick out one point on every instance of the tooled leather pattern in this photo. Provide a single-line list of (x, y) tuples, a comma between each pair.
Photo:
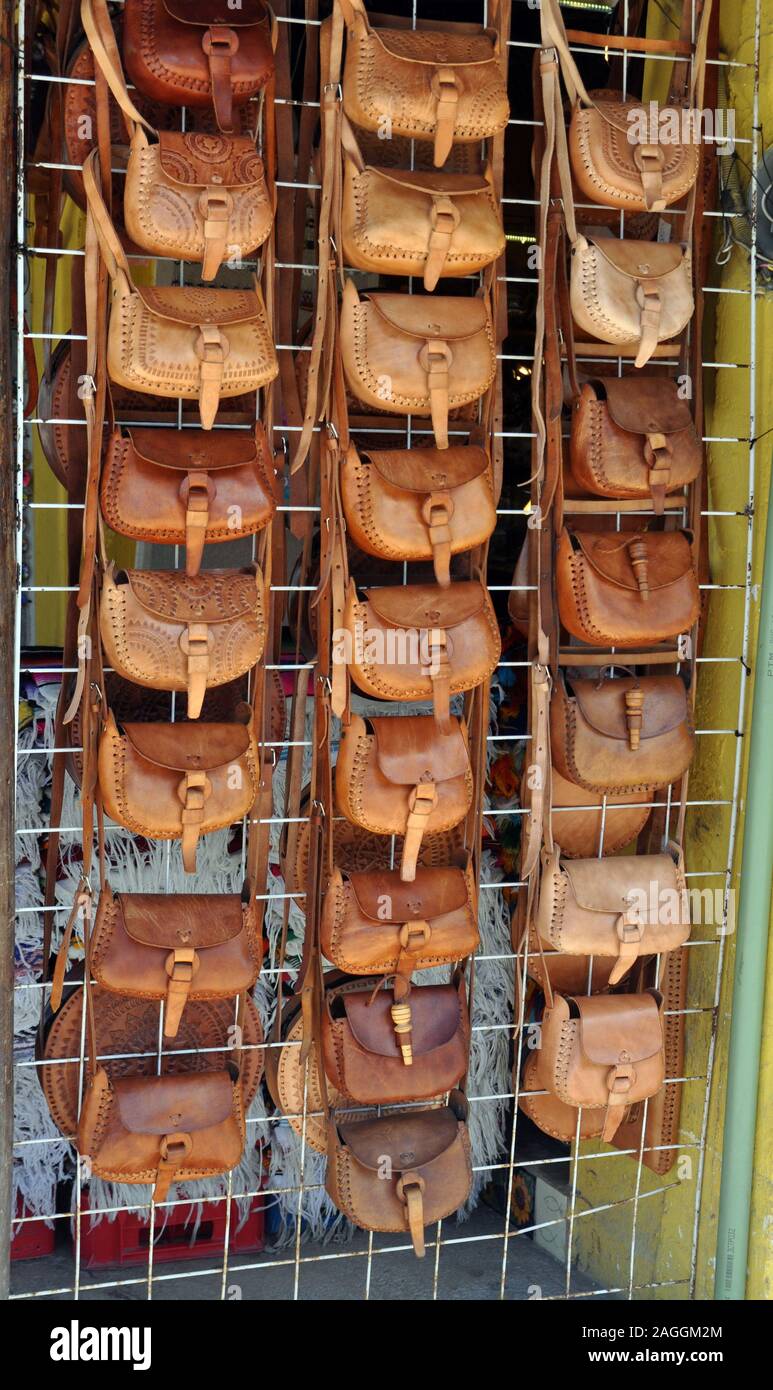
[(221, 596), (196, 157), (678, 173), (147, 364), (385, 85), (170, 216), (155, 64)]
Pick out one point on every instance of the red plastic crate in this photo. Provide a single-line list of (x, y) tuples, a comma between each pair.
[(125, 1240), (32, 1239)]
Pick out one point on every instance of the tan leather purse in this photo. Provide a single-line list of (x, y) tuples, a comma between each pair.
[(378, 1051), (374, 924), (178, 340), (626, 589), (187, 487), (405, 222), (634, 733), (173, 632), (633, 437), (401, 1172), (177, 781), (421, 642), (419, 504), (441, 82), (178, 947), (404, 776), (558, 970), (580, 817), (604, 1051), (188, 195), (551, 1115), (415, 355), (635, 905)]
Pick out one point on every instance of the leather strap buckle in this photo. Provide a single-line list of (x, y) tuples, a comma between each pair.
[(414, 936), (423, 799), (212, 346), (436, 513), (197, 642), (649, 159), (437, 510), (620, 1079), (175, 1147), (197, 493), (408, 1180), (444, 215), (220, 40)]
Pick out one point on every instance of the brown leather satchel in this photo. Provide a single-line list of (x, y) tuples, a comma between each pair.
[(441, 82), (401, 1172), (199, 52), (405, 222), (626, 589), (404, 776), (633, 733), (380, 1050), (421, 641), (634, 905), (177, 781), (581, 818), (633, 437), (551, 1115), (179, 340), (415, 354), (419, 504), (178, 947), (170, 631), (604, 1051), (187, 487), (374, 924)]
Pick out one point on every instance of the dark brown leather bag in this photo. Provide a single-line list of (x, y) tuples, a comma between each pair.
[(626, 589), (633, 733)]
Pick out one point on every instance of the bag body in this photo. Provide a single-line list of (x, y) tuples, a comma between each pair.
[(631, 292), (551, 1115), (626, 589), (415, 355), (565, 973), (419, 504), (627, 734), (290, 1080), (580, 816)]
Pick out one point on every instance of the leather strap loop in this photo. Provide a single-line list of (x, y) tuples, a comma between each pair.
[(220, 43), (181, 966), (216, 208), (410, 1190), (435, 358), (445, 89), (197, 491), (421, 803), (212, 349)]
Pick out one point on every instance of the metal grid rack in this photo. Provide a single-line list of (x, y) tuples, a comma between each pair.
[(298, 1258)]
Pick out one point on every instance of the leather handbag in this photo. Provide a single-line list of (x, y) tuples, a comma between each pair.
[(421, 641), (179, 340), (188, 194), (626, 589), (439, 82), (177, 947), (199, 52), (637, 905), (177, 781), (296, 1087), (551, 1115), (379, 1050), (633, 437), (187, 487), (419, 504), (585, 823), (417, 355), (404, 776), (633, 733), (636, 293), (558, 970), (162, 1129), (374, 924), (401, 1172), (406, 222), (170, 631), (604, 1051)]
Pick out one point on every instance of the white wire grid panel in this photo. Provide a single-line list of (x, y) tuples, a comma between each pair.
[(304, 1266)]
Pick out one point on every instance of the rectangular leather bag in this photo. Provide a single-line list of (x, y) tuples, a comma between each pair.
[(637, 293), (199, 52), (419, 504), (377, 1051), (604, 1051), (421, 642), (633, 437), (626, 589), (187, 487), (175, 947), (440, 82), (162, 1129), (403, 776), (636, 905), (374, 924), (415, 354), (177, 781), (627, 734), (428, 1165)]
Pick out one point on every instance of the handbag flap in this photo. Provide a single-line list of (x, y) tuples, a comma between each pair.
[(174, 1104), (431, 316), (628, 880), (190, 747), (408, 1141), (410, 749), (603, 706), (645, 405), (214, 596), (642, 260), (426, 606), (613, 1024), (194, 305), (451, 185), (219, 12), (169, 920), (198, 159), (194, 450), (435, 1017), (428, 470), (460, 44), (433, 893), (668, 554)]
